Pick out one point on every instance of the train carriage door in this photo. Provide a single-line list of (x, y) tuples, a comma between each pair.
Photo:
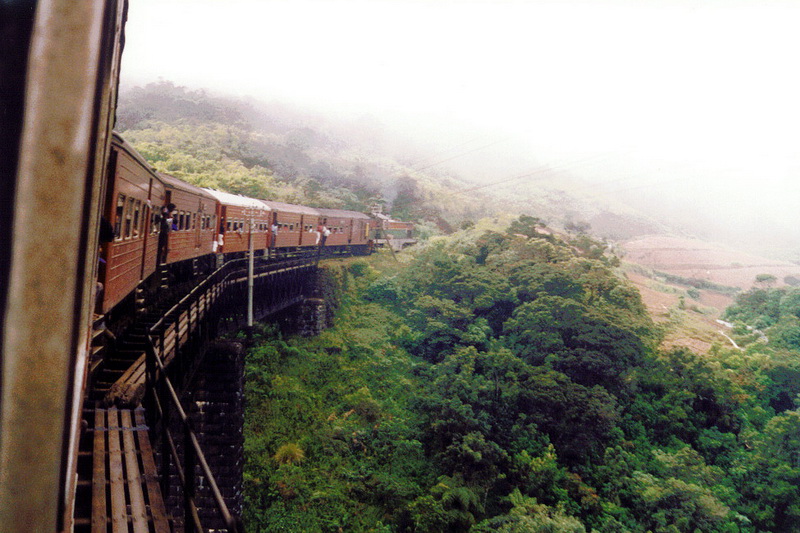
[(108, 214), (300, 234), (144, 222), (197, 222), (223, 220)]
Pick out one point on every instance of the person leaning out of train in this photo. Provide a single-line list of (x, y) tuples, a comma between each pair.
[(216, 246), (165, 225), (322, 233), (107, 234)]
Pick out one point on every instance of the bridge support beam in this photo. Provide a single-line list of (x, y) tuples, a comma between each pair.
[(311, 317), (215, 404)]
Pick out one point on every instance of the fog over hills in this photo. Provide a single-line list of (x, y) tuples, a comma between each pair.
[(676, 115)]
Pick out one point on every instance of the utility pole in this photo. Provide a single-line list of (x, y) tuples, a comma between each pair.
[(250, 212), (250, 269)]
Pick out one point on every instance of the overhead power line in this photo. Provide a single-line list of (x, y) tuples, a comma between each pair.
[(461, 154), (535, 173)]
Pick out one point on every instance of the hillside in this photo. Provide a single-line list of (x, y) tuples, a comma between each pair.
[(704, 261), (286, 153), (686, 284), (275, 151)]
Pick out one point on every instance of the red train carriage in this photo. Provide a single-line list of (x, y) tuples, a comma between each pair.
[(297, 224), (347, 228), (194, 220), (233, 227), (133, 197)]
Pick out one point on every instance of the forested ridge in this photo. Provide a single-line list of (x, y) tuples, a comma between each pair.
[(512, 381)]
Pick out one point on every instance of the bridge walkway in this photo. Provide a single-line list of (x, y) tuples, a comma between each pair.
[(125, 492)]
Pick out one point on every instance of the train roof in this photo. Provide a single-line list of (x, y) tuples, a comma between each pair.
[(117, 139), (341, 213), (291, 208), (175, 183), (237, 200)]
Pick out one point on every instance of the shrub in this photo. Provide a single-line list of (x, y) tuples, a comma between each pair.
[(289, 454)]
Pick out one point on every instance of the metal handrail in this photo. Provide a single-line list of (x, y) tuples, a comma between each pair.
[(230, 523), (157, 373), (200, 287)]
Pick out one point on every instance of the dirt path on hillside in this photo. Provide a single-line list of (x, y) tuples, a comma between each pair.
[(695, 326)]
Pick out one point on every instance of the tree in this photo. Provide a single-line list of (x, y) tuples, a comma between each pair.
[(765, 280), (525, 225)]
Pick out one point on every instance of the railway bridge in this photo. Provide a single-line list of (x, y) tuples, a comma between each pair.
[(161, 446)]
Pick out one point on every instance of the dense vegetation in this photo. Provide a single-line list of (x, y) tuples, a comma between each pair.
[(511, 381)]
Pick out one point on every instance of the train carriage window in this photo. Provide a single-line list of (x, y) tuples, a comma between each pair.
[(229, 225), (194, 220), (129, 217), (154, 225), (119, 217), (137, 208)]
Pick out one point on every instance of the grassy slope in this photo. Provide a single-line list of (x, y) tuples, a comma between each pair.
[(343, 399)]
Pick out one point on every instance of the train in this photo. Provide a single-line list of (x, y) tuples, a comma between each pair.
[(85, 222), (158, 221)]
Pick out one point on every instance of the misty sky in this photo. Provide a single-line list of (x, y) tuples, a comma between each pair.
[(696, 97)]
